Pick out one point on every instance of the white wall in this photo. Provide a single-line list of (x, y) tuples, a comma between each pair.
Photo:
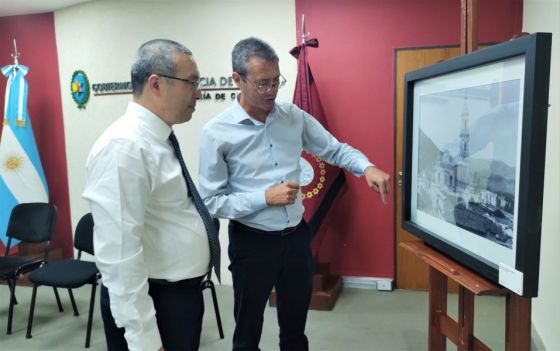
[(544, 16), (101, 38)]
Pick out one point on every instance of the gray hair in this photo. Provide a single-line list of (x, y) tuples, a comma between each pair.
[(248, 48), (154, 56)]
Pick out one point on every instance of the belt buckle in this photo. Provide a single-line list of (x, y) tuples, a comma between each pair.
[(288, 231)]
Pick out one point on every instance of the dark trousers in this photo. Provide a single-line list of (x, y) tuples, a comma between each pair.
[(259, 262), (179, 310)]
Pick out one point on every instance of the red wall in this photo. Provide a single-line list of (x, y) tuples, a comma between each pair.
[(354, 71), (35, 37)]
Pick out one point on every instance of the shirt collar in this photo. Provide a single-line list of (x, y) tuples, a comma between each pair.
[(153, 124), (240, 116)]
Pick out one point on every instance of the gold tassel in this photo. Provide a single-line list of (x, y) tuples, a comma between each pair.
[(20, 122), (5, 121)]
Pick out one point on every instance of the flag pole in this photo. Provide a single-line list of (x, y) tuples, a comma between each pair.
[(304, 35), (15, 55), (303, 28), (307, 86), (328, 287)]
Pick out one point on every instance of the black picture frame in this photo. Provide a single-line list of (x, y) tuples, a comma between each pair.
[(474, 158)]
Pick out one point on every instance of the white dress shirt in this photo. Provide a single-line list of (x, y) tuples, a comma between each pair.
[(146, 226), (240, 158)]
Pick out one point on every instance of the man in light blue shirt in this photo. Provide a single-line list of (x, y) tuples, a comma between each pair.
[(249, 172)]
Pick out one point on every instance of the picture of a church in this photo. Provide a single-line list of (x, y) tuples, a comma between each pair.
[(465, 178)]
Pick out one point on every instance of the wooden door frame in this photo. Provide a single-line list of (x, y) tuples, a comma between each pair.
[(397, 167)]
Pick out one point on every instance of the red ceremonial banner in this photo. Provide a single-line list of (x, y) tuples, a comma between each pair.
[(320, 181)]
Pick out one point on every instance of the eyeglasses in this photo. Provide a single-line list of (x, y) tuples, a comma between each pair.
[(266, 86), (194, 83)]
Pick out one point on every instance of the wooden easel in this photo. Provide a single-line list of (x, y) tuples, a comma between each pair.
[(469, 26), (442, 268), (460, 332)]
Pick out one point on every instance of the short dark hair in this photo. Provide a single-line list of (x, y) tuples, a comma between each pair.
[(248, 48), (154, 56)]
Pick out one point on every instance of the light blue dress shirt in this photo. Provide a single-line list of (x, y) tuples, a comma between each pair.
[(240, 158)]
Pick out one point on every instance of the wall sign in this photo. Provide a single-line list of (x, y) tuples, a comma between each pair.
[(211, 88), (112, 88), (79, 87), (218, 89)]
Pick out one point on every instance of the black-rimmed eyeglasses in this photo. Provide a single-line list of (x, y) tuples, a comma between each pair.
[(194, 83), (266, 86)]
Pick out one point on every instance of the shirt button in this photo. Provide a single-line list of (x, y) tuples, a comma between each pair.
[(276, 163), (270, 145)]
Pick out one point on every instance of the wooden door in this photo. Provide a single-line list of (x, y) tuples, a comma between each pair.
[(411, 273)]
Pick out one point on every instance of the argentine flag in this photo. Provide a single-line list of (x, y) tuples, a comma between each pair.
[(21, 174)]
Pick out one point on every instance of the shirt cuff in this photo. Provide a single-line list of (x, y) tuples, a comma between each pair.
[(257, 200), (149, 340), (363, 165)]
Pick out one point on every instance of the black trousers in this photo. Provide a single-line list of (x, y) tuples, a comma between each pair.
[(259, 262), (179, 310)]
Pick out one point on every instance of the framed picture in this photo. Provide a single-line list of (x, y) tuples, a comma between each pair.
[(474, 157)]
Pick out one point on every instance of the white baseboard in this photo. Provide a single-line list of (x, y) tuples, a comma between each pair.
[(536, 341), (370, 283)]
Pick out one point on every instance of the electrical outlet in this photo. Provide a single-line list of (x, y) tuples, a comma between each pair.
[(384, 285)]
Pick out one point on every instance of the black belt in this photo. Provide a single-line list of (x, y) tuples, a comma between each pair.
[(192, 282), (285, 231)]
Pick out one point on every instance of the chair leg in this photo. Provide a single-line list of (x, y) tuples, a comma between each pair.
[(73, 302), (60, 309), (31, 312), (11, 288), (90, 317), (12, 283), (216, 308)]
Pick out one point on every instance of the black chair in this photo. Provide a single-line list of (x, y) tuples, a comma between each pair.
[(28, 223), (69, 274), (207, 283)]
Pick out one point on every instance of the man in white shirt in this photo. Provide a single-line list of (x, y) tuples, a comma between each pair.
[(151, 238)]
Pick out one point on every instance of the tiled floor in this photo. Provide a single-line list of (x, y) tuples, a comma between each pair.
[(361, 320)]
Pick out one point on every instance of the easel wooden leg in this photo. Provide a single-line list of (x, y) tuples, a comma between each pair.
[(466, 319), (518, 322), (438, 308), (442, 327), (469, 26)]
